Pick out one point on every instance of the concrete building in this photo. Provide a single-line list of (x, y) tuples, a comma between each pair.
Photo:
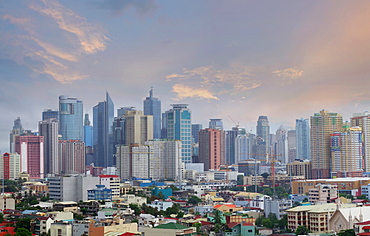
[(152, 106), (346, 152), (300, 167), (277, 207), (195, 128), (71, 188), (281, 145), (7, 203), (70, 118), (211, 148), (179, 128), (346, 218), (49, 129), (322, 193), (61, 228), (100, 193), (302, 128), (292, 145), (249, 167), (263, 134), (10, 166), (138, 127), (71, 156), (322, 125), (16, 131), (31, 151), (230, 145), (111, 182), (160, 205), (363, 120), (169, 229), (133, 161)]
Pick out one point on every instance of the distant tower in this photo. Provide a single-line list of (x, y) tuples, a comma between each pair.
[(152, 106), (281, 148), (16, 131), (138, 127), (31, 150), (103, 117), (88, 132), (216, 124), (179, 128), (10, 165), (49, 114), (292, 145), (72, 156), (49, 129), (263, 136), (195, 128), (212, 148), (322, 125), (302, 128), (70, 118), (363, 120), (122, 111)]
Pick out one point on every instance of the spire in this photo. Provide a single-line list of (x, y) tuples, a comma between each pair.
[(151, 92)]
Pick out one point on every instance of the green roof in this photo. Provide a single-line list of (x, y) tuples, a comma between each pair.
[(171, 226)]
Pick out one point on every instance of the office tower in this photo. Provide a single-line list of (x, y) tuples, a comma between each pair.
[(122, 111), (346, 152), (50, 114), (49, 130), (10, 166), (302, 128), (152, 106), (212, 148), (72, 156), (216, 124), (138, 127), (16, 131), (70, 118), (243, 147), (164, 126), (322, 125), (88, 132), (363, 120), (133, 161), (31, 151), (103, 117), (195, 128), (119, 131), (179, 128), (263, 132), (281, 145), (230, 137), (292, 145)]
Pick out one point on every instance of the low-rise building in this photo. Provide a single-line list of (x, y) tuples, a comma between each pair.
[(323, 193), (346, 218), (61, 228), (7, 203), (111, 182), (100, 193), (169, 229), (161, 205), (41, 225)]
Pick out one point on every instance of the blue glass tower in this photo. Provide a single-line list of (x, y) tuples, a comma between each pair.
[(103, 117), (50, 114), (70, 118), (88, 132), (179, 128), (152, 106), (303, 139)]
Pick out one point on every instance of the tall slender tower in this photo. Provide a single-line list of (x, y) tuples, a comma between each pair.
[(138, 127), (103, 114), (263, 138), (302, 127), (179, 128), (70, 118), (152, 106), (363, 120), (212, 148), (322, 125), (16, 131), (49, 129)]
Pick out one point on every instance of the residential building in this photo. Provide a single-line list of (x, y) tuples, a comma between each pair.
[(103, 117), (322, 125), (7, 203), (216, 124), (302, 128), (169, 229), (179, 128), (41, 225), (71, 188), (133, 199), (292, 145), (111, 182), (61, 228), (49, 130), (138, 127), (117, 225), (152, 106), (323, 193), (160, 205), (31, 151), (10, 166), (281, 145), (211, 148), (363, 120), (133, 161), (70, 118), (300, 167), (81, 227), (71, 156), (242, 229)]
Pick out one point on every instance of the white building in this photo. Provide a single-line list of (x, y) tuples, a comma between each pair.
[(111, 182), (161, 205), (322, 193), (14, 165)]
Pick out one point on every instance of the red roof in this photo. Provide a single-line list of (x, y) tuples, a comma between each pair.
[(232, 224), (366, 227), (127, 234), (108, 176), (363, 223), (228, 205), (247, 224), (364, 234), (7, 230)]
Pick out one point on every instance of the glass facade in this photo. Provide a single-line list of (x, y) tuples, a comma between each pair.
[(70, 118), (152, 106), (302, 127)]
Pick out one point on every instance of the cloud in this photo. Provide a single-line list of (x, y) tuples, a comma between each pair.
[(184, 91), (90, 39), (142, 7), (288, 73)]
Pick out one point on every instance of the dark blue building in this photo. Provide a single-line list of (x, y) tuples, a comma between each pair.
[(152, 106)]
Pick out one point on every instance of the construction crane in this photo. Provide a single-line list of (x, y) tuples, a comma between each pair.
[(236, 123)]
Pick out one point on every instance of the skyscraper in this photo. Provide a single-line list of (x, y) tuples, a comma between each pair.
[(212, 148), (49, 114), (138, 127), (70, 118), (10, 166), (72, 156), (16, 131), (216, 124), (263, 133), (31, 150), (195, 128), (88, 132), (230, 138), (179, 128), (281, 147), (152, 106), (49, 129), (292, 145), (322, 125), (363, 120), (103, 114), (303, 139)]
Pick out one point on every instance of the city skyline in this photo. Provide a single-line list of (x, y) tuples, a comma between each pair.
[(241, 59)]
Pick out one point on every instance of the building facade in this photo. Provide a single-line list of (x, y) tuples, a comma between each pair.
[(138, 127), (363, 120), (49, 130), (10, 166), (302, 128), (152, 106), (211, 148), (71, 157), (70, 118), (31, 151)]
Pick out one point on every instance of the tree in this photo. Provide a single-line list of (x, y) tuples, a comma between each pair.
[(347, 232), (1, 217), (180, 214), (265, 175), (136, 208), (23, 232), (194, 200), (302, 230), (240, 180), (363, 196), (24, 223)]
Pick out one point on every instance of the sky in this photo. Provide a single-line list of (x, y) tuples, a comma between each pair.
[(284, 59)]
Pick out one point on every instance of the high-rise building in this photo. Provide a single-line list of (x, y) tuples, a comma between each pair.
[(49, 129), (230, 139), (72, 156), (16, 131), (119, 131), (346, 152), (300, 168), (50, 114), (363, 120), (31, 151), (179, 128), (103, 117), (292, 145), (281, 145), (195, 128), (302, 128), (243, 147), (138, 127), (122, 111), (322, 125), (164, 126), (133, 161), (70, 118), (152, 106), (10, 166), (263, 133), (216, 124), (212, 148), (88, 132)]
